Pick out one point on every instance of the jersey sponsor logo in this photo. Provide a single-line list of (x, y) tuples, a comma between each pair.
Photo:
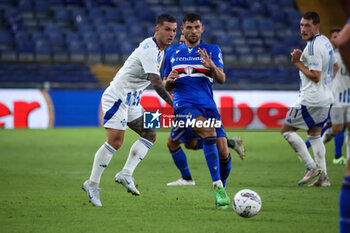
[(151, 120), (181, 59)]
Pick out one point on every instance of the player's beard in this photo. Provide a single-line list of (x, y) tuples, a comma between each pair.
[(192, 41)]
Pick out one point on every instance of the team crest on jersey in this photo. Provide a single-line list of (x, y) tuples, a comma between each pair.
[(145, 46), (188, 70)]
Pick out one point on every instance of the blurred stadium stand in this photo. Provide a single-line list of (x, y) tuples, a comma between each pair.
[(56, 41)]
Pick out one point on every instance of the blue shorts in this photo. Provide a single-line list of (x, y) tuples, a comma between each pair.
[(186, 133)]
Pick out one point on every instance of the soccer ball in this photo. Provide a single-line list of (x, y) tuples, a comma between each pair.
[(246, 203)]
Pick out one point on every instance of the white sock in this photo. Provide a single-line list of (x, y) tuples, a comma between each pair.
[(218, 184), (299, 146), (328, 135), (319, 151), (137, 152), (102, 158)]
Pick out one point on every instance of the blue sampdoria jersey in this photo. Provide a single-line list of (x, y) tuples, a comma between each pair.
[(194, 87)]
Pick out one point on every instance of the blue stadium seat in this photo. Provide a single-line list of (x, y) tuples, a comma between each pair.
[(76, 51), (95, 13), (41, 6), (62, 16), (6, 39), (89, 37), (42, 50), (94, 53), (25, 6), (71, 36), (112, 15), (249, 26), (56, 38), (266, 27), (102, 28), (25, 50), (51, 28)]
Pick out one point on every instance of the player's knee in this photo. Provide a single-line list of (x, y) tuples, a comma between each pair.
[(189, 145), (150, 135), (223, 153), (116, 143), (172, 145)]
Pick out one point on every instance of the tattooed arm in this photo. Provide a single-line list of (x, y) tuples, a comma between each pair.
[(158, 86)]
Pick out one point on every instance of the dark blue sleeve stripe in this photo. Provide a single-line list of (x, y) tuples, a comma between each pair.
[(307, 117), (112, 111)]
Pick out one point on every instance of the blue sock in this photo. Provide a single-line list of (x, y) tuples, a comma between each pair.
[(199, 144), (344, 206), (338, 143), (212, 157), (225, 168), (180, 161)]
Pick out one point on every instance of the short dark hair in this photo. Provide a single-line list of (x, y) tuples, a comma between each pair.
[(191, 17), (165, 18), (334, 30), (313, 16)]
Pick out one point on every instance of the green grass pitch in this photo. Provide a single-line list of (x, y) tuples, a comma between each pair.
[(41, 173)]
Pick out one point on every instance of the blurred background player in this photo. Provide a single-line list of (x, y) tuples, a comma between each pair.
[(120, 103), (340, 112), (343, 43), (190, 72), (317, 65)]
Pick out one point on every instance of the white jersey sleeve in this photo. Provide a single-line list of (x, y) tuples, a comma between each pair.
[(150, 58)]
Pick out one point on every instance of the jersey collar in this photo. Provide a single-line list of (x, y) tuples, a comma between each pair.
[(155, 41)]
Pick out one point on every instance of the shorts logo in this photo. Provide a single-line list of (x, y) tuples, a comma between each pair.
[(151, 120)]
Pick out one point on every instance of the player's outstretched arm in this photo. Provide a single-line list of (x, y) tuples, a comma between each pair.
[(157, 84), (217, 72)]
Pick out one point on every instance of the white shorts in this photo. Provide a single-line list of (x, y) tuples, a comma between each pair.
[(116, 114), (340, 114), (306, 117)]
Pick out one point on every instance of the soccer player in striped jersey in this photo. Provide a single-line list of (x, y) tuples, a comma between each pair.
[(121, 107), (190, 69), (317, 67), (193, 142)]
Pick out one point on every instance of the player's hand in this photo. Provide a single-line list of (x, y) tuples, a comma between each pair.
[(173, 76), (206, 59), (296, 54)]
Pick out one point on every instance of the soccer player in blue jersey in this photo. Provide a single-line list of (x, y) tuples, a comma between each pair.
[(343, 43), (190, 69)]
